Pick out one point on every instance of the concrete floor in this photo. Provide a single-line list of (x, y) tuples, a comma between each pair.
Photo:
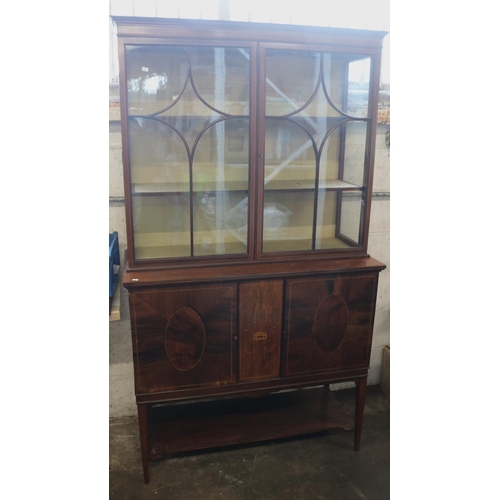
[(322, 466)]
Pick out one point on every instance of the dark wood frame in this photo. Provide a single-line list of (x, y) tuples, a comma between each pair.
[(257, 278)]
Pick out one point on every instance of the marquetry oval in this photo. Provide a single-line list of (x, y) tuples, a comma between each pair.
[(330, 323), (185, 339)]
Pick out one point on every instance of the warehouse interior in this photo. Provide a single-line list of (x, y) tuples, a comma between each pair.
[(70, 419), (322, 465), (70, 424)]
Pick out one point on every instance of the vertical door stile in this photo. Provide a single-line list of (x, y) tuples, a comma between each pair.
[(253, 150), (126, 151), (260, 136), (370, 148)]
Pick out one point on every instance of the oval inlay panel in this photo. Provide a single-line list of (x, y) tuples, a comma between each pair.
[(185, 339), (330, 323)]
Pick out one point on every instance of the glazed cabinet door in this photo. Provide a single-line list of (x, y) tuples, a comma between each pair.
[(183, 337), (316, 135), (328, 324), (189, 146)]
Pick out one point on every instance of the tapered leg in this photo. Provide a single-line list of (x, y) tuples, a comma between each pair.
[(360, 407), (143, 430)]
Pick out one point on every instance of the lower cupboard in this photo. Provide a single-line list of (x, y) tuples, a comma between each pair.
[(211, 358)]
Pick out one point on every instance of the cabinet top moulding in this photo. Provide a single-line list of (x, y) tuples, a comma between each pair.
[(249, 31), (136, 279)]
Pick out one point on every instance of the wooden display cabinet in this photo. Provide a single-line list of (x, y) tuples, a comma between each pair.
[(248, 167)]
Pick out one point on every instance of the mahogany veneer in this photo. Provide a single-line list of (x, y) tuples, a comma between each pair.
[(234, 296)]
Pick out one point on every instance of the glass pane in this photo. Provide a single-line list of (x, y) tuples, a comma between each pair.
[(355, 148), (158, 158), (156, 76), (189, 116), (220, 223), (288, 221), (350, 215), (221, 77), (161, 226), (330, 161), (326, 237), (358, 88), (290, 159), (220, 184), (291, 79), (334, 70), (221, 157), (339, 69)]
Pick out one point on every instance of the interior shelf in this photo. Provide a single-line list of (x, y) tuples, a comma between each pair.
[(159, 188), (242, 186), (177, 251), (298, 245), (296, 184), (172, 428)]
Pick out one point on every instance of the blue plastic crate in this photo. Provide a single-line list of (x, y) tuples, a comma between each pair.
[(114, 262)]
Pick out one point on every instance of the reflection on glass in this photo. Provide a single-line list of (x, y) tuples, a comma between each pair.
[(187, 150), (156, 76)]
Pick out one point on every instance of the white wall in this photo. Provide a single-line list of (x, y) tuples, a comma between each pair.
[(362, 14), (355, 14), (121, 372)]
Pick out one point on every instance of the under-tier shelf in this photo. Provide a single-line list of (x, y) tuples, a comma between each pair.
[(196, 426)]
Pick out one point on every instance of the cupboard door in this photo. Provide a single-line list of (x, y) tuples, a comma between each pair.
[(183, 337), (328, 324), (261, 308)]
